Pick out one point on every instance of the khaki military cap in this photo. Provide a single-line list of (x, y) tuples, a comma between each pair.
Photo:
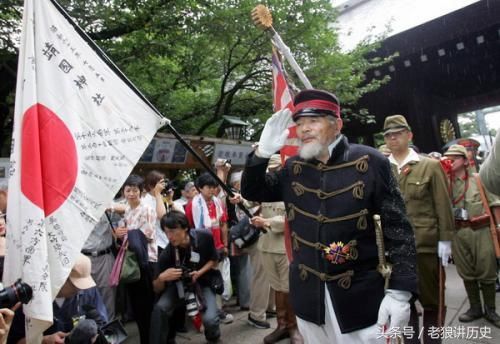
[(395, 123), (456, 150)]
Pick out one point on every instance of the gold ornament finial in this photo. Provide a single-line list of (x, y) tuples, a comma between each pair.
[(447, 131), (262, 17)]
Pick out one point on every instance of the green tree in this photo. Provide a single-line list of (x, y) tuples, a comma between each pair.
[(468, 124), (200, 60)]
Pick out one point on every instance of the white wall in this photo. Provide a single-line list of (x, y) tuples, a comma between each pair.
[(372, 17)]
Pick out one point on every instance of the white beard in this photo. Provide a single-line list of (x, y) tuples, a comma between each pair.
[(311, 150)]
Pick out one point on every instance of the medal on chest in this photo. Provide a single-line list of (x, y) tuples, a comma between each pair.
[(337, 252)]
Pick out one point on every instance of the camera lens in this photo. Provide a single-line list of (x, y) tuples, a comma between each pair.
[(18, 292), (191, 304)]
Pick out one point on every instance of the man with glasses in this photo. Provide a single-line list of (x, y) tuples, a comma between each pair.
[(424, 188)]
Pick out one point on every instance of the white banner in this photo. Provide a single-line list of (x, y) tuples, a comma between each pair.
[(78, 132)]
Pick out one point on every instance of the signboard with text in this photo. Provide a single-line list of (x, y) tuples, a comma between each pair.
[(236, 153), (168, 151)]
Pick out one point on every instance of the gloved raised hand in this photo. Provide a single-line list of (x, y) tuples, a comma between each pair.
[(444, 252), (274, 134), (394, 310)]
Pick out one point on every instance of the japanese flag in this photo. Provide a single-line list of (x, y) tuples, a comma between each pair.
[(283, 98), (79, 129)]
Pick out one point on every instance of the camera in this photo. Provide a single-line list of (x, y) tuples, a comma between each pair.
[(18, 292), (186, 291), (222, 162), (169, 187), (460, 214), (114, 332), (186, 275), (244, 234), (86, 326)]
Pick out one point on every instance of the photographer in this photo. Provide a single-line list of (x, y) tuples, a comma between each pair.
[(186, 265), (158, 192), (77, 297)]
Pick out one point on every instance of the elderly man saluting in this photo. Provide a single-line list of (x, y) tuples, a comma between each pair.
[(331, 191)]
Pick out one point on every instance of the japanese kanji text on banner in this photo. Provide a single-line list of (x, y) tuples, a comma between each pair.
[(78, 131)]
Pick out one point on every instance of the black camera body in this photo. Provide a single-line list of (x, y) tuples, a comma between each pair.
[(18, 292), (244, 234), (461, 214), (112, 332), (186, 290), (169, 187), (186, 275)]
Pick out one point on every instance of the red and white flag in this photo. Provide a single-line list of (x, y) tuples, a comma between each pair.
[(282, 95), (283, 98), (79, 129)]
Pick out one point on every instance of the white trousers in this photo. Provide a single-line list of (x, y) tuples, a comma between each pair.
[(330, 331)]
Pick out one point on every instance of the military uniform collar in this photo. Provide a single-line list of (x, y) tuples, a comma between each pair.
[(411, 159), (334, 144), (462, 178), (338, 147)]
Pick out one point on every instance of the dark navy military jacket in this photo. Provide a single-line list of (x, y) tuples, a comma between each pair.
[(330, 210)]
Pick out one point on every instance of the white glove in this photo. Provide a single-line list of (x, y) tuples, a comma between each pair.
[(444, 251), (394, 309), (274, 134)]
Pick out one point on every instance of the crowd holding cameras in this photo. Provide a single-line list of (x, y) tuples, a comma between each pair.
[(180, 247)]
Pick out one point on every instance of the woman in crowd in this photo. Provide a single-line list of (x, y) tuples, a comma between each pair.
[(139, 227)]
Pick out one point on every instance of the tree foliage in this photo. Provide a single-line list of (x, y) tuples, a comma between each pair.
[(468, 124), (200, 60)]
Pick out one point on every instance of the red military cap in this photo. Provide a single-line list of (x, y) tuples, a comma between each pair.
[(315, 103)]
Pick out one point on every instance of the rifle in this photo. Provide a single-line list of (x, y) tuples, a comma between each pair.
[(441, 306), (493, 226)]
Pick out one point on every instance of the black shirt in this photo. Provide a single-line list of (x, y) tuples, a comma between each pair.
[(201, 250)]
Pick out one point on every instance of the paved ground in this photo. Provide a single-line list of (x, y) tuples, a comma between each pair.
[(239, 332)]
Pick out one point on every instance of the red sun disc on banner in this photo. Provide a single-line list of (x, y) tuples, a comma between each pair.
[(49, 163)]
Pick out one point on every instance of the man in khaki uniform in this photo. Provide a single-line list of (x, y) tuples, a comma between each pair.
[(275, 262), (473, 249), (490, 169), (257, 293), (424, 188)]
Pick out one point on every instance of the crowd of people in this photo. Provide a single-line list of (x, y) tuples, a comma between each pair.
[(180, 245), (353, 241)]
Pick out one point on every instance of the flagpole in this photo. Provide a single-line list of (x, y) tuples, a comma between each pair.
[(278, 42), (226, 188), (262, 18), (129, 83)]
